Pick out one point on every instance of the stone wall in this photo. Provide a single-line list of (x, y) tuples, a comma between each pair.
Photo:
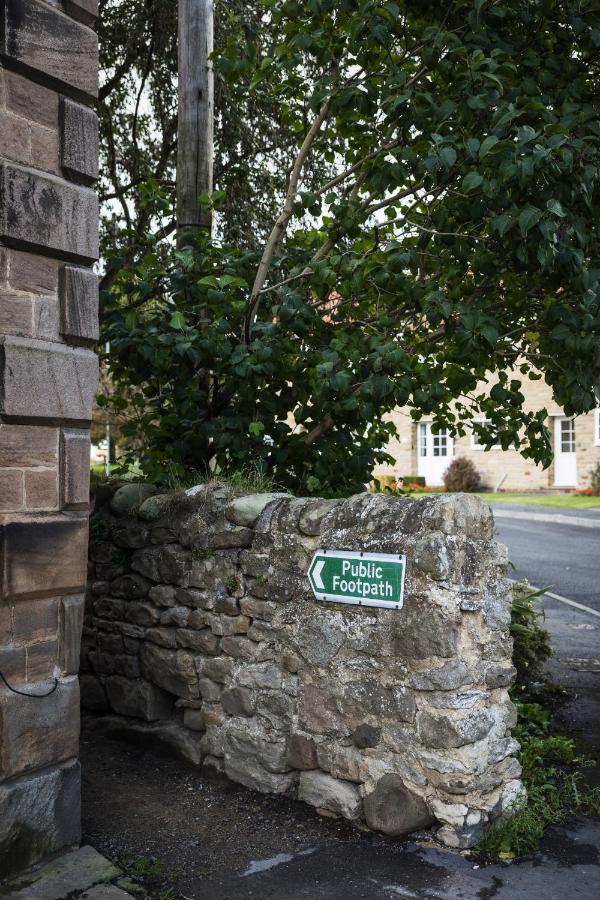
[(202, 634), (48, 375)]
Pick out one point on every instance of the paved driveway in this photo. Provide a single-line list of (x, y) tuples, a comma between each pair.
[(548, 553)]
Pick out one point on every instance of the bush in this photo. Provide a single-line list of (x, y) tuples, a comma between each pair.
[(531, 642), (461, 475), (595, 481)]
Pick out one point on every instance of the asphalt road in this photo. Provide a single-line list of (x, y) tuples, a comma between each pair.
[(564, 558)]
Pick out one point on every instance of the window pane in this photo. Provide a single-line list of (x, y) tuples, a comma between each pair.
[(567, 436), (440, 444), (422, 440)]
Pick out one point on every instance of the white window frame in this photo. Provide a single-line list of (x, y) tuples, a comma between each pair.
[(597, 427), (476, 446)]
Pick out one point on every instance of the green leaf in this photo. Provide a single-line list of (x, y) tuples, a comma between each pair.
[(177, 321), (555, 208), (448, 156), (502, 223), (487, 145), (472, 181), (528, 218)]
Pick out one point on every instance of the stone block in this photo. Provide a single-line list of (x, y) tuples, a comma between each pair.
[(30, 100), (47, 44), (250, 773), (130, 497), (75, 469), (79, 303), (85, 11), (15, 138), (202, 641), (28, 445), (42, 660), (93, 695), (131, 587), (35, 620), (41, 489), (40, 816), (71, 625), (129, 533), (36, 734), (245, 511), (209, 690), (138, 698), (13, 663), (218, 669), (42, 210), (443, 732), (16, 314), (238, 647), (173, 670), (46, 382), (11, 490), (395, 810), (44, 149), (324, 792), (301, 752), (79, 143), (238, 701), (46, 555)]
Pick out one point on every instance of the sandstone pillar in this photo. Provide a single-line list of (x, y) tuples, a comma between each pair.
[(48, 376)]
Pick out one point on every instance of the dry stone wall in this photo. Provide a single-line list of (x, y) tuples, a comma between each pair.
[(48, 377), (201, 633)]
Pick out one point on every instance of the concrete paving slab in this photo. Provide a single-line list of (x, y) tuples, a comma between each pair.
[(105, 892), (68, 876)]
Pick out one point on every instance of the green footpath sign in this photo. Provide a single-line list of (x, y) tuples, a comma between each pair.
[(363, 579)]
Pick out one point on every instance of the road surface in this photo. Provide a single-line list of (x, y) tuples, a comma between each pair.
[(564, 556)]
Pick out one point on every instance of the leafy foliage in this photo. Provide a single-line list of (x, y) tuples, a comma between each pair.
[(555, 786), (552, 769), (138, 124), (461, 475), (453, 245)]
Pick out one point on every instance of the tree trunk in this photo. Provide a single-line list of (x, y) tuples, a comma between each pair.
[(195, 113)]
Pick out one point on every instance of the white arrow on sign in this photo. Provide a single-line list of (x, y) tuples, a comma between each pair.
[(317, 574)]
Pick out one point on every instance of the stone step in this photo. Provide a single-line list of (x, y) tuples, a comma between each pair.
[(82, 874)]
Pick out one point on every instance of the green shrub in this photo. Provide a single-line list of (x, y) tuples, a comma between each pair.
[(461, 475), (531, 642)]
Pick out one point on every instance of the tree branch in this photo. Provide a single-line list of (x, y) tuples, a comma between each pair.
[(282, 222)]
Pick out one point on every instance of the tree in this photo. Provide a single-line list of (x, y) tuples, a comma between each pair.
[(138, 126), (454, 241)]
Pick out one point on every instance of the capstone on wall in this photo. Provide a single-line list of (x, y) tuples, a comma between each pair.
[(201, 633), (48, 377)]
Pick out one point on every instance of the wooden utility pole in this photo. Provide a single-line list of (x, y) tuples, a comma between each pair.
[(195, 113)]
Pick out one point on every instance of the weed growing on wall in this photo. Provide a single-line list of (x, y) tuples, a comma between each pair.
[(555, 786), (552, 769)]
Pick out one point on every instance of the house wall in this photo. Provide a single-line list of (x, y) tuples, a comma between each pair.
[(521, 474), (48, 377)]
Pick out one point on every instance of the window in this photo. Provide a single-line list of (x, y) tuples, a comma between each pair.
[(567, 436), (422, 439), (440, 443), (476, 442), (597, 428)]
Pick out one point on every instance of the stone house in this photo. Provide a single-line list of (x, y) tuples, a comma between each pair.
[(576, 443)]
